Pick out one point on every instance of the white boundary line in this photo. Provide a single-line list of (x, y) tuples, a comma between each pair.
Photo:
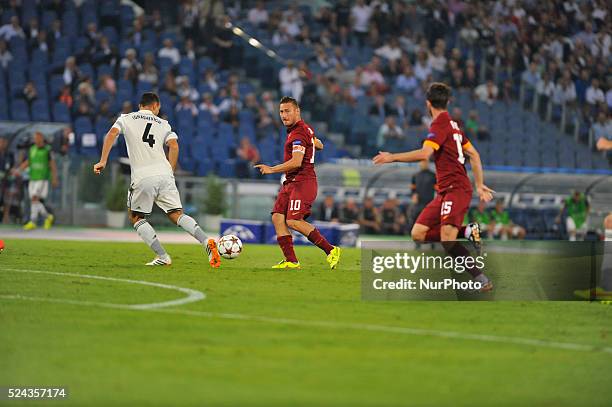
[(192, 295), (157, 307)]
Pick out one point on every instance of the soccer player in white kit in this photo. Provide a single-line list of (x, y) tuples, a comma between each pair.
[(153, 176)]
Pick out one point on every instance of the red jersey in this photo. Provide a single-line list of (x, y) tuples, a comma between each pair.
[(300, 138), (448, 142)]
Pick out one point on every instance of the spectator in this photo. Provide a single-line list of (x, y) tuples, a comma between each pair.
[(184, 89), (531, 77), (189, 17), (423, 189), (417, 119), (370, 75), (291, 83), (12, 29), (222, 41), (393, 222), (136, 34), (104, 113), (594, 95), (156, 23), (390, 51), (148, 73), (502, 226), (349, 212), (422, 68), (399, 108), (126, 107), (30, 93), (576, 210), (380, 108), (474, 129), (360, 17), (437, 60), (71, 73), (208, 105), (355, 89), (10, 186), (232, 116), (84, 110), (189, 51), (65, 96), (86, 95), (545, 86), (487, 92), (130, 65), (170, 51), (264, 123), (328, 210), (258, 15), (233, 100), (456, 116), (105, 54), (339, 57), (565, 91), (248, 155), (389, 130), (407, 81), (481, 216), (602, 128), (108, 84), (186, 104), (290, 26), (369, 218), (321, 58), (280, 37), (5, 55)]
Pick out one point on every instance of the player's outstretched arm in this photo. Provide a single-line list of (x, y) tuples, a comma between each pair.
[(421, 154), (109, 140), (484, 192), (292, 164), (318, 144), (604, 144), (173, 152)]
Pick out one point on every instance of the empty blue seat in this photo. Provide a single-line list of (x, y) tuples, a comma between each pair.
[(40, 111), (19, 110), (83, 125), (61, 113)]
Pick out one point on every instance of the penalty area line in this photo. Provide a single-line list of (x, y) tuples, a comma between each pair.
[(192, 295)]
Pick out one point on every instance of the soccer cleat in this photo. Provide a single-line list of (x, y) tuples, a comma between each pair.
[(29, 226), (160, 261), (214, 259), (474, 236), (49, 221), (486, 287), (333, 258), (595, 294), (284, 264)]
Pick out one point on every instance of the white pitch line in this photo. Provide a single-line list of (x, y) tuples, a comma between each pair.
[(192, 295), (513, 340)]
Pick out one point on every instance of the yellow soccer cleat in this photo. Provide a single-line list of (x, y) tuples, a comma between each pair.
[(284, 264), (49, 221), (333, 258), (596, 294), (29, 226)]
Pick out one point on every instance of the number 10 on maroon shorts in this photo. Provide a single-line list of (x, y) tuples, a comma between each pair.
[(295, 199), (447, 208)]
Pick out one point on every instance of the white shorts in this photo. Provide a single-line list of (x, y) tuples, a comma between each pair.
[(160, 190), (514, 231), (39, 189)]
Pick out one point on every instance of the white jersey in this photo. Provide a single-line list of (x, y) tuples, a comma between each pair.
[(145, 136)]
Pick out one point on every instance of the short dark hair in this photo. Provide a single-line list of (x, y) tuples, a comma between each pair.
[(438, 95), (288, 99), (149, 98)]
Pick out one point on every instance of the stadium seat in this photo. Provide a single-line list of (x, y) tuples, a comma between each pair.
[(19, 110), (61, 113), (83, 125), (40, 111)]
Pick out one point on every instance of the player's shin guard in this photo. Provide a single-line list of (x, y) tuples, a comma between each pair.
[(320, 241), (147, 234), (286, 245), (191, 226)]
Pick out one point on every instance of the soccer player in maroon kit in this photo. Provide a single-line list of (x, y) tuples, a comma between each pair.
[(442, 219), (299, 189)]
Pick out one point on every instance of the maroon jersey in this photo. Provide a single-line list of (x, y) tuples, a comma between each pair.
[(448, 142), (300, 138)]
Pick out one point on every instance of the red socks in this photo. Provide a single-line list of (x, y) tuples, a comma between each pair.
[(433, 235), (286, 245), (321, 242)]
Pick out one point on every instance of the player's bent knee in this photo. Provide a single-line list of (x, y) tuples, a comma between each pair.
[(278, 218), (418, 233), (293, 223)]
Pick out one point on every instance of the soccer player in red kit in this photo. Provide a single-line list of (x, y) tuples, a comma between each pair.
[(299, 189), (442, 218)]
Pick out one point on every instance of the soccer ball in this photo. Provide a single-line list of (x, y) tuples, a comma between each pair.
[(230, 246)]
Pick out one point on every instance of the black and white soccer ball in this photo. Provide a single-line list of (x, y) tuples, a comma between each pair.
[(230, 246)]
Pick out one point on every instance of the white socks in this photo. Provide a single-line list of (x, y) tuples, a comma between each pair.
[(147, 234), (191, 226), (37, 209)]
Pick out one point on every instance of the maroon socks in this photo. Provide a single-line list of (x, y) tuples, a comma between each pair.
[(318, 240), (286, 245)]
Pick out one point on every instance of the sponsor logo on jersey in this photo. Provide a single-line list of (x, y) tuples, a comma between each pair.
[(297, 143), (431, 135)]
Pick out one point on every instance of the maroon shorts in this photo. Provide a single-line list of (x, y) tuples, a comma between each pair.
[(295, 199), (447, 208)]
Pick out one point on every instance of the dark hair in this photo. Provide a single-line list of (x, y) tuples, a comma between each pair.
[(148, 98), (438, 95), (288, 99)]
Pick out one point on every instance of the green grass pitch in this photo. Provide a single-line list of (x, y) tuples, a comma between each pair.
[(278, 338)]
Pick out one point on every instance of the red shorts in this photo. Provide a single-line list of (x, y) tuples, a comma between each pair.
[(295, 199), (447, 208)]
